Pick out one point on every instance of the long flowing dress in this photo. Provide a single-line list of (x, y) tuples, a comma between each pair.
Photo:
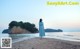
[(41, 29)]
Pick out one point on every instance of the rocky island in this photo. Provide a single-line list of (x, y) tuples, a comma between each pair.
[(53, 30), (20, 27)]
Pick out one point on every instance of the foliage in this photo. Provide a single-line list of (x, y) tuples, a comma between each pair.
[(25, 25)]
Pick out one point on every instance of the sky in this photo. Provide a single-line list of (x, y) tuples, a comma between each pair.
[(66, 17)]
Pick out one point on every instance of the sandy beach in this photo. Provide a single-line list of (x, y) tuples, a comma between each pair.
[(45, 43)]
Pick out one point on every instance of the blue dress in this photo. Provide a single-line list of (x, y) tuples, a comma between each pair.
[(41, 29)]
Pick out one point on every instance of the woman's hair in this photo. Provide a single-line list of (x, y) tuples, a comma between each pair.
[(40, 20)]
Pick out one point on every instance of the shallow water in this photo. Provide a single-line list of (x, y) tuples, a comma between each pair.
[(70, 36)]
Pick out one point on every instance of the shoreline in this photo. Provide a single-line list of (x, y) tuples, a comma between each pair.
[(26, 38), (67, 41), (66, 37)]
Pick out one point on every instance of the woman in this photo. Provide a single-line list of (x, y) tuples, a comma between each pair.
[(41, 28)]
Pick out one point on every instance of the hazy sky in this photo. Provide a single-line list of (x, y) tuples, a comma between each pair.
[(64, 17)]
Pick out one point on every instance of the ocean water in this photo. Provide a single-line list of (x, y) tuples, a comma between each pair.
[(70, 36)]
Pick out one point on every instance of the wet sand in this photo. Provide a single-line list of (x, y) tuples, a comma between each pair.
[(45, 43)]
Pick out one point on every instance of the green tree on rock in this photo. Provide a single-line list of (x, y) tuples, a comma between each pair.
[(24, 25)]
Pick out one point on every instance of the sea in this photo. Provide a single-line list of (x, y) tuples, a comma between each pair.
[(69, 36)]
